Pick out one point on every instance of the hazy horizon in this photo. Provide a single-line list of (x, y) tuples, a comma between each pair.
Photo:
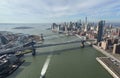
[(48, 11)]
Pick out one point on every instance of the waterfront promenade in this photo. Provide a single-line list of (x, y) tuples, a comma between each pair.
[(109, 66), (110, 63), (105, 53)]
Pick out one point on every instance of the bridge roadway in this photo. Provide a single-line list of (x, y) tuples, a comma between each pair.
[(48, 45), (15, 49)]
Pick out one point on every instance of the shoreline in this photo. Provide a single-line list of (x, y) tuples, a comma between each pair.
[(106, 67), (110, 70), (108, 55), (105, 52)]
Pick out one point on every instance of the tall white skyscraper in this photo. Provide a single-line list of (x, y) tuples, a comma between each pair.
[(86, 25)]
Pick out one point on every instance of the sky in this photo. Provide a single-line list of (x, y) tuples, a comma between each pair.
[(48, 11)]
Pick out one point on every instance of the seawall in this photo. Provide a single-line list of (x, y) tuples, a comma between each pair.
[(105, 53), (106, 67)]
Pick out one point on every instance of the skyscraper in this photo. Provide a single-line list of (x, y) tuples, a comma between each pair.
[(86, 25), (100, 30)]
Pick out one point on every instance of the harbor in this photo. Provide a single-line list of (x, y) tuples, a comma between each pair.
[(60, 39), (67, 54), (65, 58)]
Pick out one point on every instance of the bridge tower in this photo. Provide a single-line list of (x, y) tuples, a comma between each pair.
[(33, 49), (82, 44)]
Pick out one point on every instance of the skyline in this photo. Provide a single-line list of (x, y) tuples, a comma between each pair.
[(48, 11)]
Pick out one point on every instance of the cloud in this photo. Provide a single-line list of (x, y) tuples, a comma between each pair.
[(48, 9)]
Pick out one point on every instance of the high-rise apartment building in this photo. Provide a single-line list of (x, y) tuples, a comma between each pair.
[(100, 30)]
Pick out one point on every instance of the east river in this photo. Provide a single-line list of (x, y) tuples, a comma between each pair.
[(67, 61)]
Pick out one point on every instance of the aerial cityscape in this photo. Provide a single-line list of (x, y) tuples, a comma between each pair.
[(59, 39)]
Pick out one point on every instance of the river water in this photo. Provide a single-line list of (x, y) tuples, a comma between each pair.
[(67, 61)]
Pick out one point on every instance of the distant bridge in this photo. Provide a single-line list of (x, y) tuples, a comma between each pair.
[(29, 44), (48, 45)]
